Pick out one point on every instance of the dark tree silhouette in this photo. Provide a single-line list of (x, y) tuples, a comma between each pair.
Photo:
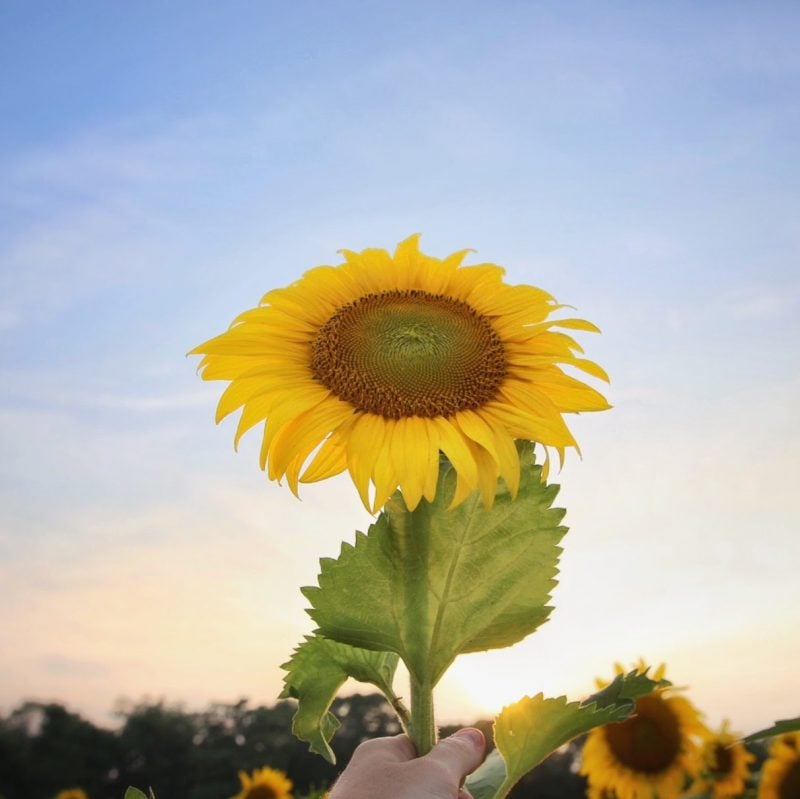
[(45, 748), (197, 755)]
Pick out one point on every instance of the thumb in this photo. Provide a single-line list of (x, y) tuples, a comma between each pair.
[(461, 753)]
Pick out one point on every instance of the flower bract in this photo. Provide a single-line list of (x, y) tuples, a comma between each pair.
[(379, 364), (780, 776), (264, 783), (648, 756)]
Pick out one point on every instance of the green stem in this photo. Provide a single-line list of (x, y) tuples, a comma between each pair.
[(400, 709), (423, 727)]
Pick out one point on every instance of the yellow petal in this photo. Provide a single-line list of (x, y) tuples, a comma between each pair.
[(528, 302), (432, 471), (411, 455), (476, 429), (438, 279), (548, 342), (507, 453), (293, 472), (475, 281), (565, 392), (372, 271), (275, 407), (331, 459), (254, 412), (235, 395), (590, 367), (519, 411), (384, 474), (487, 473), (305, 432), (454, 446), (290, 314), (365, 439), (331, 285), (575, 324), (245, 389), (407, 260), (463, 490)]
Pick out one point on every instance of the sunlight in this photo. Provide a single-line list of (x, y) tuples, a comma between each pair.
[(488, 681)]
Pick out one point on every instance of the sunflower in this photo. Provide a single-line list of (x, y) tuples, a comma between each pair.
[(381, 363), (648, 756), (593, 792), (780, 777), (724, 765), (264, 783), (72, 793)]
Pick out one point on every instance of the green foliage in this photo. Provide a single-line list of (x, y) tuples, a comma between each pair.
[(135, 793), (316, 671), (778, 728), (157, 743), (526, 732), (433, 583), (77, 753), (45, 748)]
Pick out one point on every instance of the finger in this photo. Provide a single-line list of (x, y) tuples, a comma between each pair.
[(460, 754), (397, 749), (464, 794)]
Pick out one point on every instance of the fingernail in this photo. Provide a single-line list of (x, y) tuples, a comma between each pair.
[(475, 736)]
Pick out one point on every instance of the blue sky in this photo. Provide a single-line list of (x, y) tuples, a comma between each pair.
[(163, 165)]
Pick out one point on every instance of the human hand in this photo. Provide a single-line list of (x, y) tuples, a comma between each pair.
[(388, 768)]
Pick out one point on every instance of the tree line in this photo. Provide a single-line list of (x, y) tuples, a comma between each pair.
[(45, 748)]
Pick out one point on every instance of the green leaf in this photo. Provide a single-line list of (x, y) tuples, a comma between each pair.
[(778, 728), (316, 671), (135, 793), (626, 688), (490, 775), (433, 583), (531, 729)]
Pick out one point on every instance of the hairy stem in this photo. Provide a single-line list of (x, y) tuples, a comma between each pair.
[(403, 714), (423, 726)]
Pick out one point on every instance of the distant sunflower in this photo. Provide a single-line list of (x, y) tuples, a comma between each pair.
[(72, 793), (383, 362), (648, 756), (264, 783), (780, 777), (593, 792), (724, 765)]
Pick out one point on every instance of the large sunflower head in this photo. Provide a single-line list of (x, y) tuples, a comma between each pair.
[(780, 776), (378, 365), (264, 783), (724, 765), (648, 756)]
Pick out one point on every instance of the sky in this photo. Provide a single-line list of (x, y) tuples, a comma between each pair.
[(163, 165)]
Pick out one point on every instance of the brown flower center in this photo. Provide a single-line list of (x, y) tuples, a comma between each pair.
[(721, 761), (409, 353), (790, 784), (648, 742), (261, 792)]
